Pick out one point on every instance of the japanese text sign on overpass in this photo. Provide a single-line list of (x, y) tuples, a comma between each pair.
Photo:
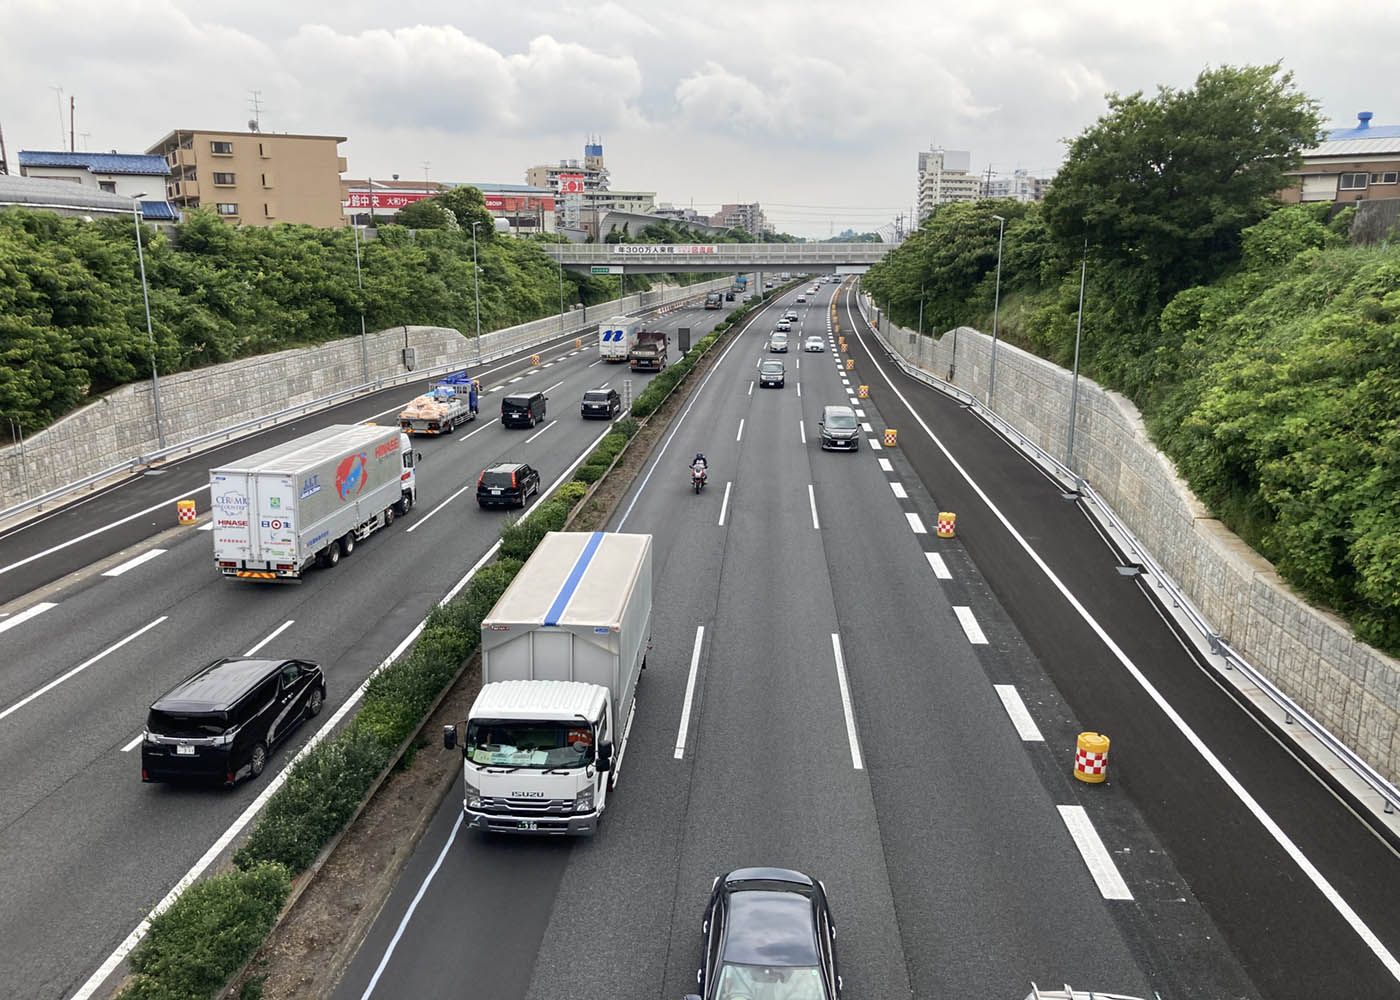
[(663, 249)]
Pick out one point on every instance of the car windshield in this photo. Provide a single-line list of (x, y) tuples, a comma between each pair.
[(769, 368), (764, 982), (515, 743), (187, 726), (841, 421)]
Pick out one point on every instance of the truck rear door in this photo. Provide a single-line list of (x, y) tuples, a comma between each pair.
[(274, 502), (230, 500)]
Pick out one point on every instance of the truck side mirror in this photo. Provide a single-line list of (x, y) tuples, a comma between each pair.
[(605, 753), (449, 737), (417, 457)]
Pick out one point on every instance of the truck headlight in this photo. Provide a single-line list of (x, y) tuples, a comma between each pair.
[(473, 795), (583, 801)]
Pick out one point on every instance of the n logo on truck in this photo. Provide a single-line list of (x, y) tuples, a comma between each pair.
[(350, 475)]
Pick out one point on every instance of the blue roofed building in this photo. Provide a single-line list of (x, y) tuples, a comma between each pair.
[(123, 174), (1359, 163)]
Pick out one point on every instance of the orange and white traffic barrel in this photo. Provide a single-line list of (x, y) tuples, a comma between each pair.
[(1091, 758), (185, 512), (947, 523)]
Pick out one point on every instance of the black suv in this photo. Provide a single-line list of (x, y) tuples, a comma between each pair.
[(771, 372), (604, 403), (523, 409), (224, 721), (506, 484)]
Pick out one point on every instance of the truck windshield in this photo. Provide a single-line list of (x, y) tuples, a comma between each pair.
[(518, 743)]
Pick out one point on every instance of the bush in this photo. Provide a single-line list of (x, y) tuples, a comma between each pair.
[(207, 934), (570, 494), (519, 538), (628, 426), (588, 474)]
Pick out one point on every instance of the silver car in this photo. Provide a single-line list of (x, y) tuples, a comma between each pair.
[(778, 343), (814, 344)]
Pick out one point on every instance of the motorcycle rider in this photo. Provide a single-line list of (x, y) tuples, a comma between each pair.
[(700, 465)]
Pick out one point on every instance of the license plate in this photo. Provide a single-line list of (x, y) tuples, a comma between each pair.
[(527, 824), (184, 750), (495, 493)]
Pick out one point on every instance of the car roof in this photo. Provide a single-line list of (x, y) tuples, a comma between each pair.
[(505, 467), (770, 362), (836, 408), (603, 391), (772, 927), (218, 686), (520, 397)]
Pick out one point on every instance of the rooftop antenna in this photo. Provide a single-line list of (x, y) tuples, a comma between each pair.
[(85, 136), (4, 160), (255, 106), (58, 93)]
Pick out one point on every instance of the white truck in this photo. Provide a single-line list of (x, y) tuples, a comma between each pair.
[(560, 656), (617, 337), (309, 500)]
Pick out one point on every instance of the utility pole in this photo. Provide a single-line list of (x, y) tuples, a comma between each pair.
[(1074, 383), (72, 111), (4, 160)]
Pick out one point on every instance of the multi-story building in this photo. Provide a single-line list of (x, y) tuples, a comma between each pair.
[(522, 208), (1350, 165), (256, 178), (129, 175), (944, 177), (575, 183), (1020, 185), (746, 215)]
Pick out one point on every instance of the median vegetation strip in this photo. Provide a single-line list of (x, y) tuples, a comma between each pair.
[(212, 931)]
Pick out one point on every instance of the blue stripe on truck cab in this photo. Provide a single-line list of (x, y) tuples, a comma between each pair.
[(566, 592)]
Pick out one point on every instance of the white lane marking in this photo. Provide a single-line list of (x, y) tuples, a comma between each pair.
[(1020, 716), (512, 381), (860, 413), (689, 692), (554, 386), (136, 561), (898, 490), (940, 568), (80, 667), (867, 428), (540, 431), (547, 364), (724, 507), (968, 621), (802, 429), (105, 970), (32, 611), (915, 524), (1305, 865), (470, 485), (134, 743), (1095, 855), (812, 502), (885, 464), (206, 526), (188, 494), (495, 388), (846, 709), (799, 390), (598, 362), (605, 385), (467, 437), (413, 906), (740, 435), (750, 387), (875, 443), (270, 636)]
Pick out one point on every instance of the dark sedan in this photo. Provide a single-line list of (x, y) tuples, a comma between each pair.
[(768, 931)]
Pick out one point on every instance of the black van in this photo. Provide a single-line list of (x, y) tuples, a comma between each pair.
[(225, 720), (523, 410)]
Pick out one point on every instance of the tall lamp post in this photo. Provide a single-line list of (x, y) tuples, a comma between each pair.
[(360, 283), (996, 313), (476, 291), (150, 331), (1074, 379)]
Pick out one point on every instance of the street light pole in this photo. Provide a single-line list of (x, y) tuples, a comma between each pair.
[(360, 283), (1074, 378), (150, 331), (476, 291), (996, 313)]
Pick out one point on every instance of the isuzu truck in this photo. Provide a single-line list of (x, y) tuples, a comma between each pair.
[(561, 653), (617, 337), (278, 512)]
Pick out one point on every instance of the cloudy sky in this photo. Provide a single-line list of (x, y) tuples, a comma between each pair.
[(816, 109)]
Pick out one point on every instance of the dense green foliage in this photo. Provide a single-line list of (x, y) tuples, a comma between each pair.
[(73, 325), (1260, 346)]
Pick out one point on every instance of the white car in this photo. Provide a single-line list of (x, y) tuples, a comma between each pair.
[(814, 344), (783, 325), (778, 343), (802, 298)]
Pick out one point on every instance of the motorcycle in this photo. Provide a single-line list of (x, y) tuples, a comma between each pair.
[(697, 479)]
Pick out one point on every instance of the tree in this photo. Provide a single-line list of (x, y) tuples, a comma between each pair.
[(426, 214), (1166, 185), (468, 205)]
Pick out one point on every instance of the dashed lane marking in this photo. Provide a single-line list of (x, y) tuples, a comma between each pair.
[(1016, 709), (132, 563), (940, 568), (1095, 855), (968, 621)]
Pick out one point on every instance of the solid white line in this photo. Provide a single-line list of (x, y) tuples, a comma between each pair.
[(898, 490), (812, 502), (885, 464), (940, 568), (1020, 717), (802, 428), (740, 435), (968, 621), (846, 709), (540, 431), (106, 527), (134, 743), (484, 426), (80, 667), (1319, 881), (413, 906), (689, 692), (135, 561), (424, 519), (916, 524), (30, 612), (206, 526), (875, 443), (272, 635), (1095, 855), (724, 507)]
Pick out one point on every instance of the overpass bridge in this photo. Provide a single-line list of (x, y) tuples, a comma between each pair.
[(653, 258)]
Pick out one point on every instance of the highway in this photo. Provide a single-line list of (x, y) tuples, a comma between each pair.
[(85, 848), (895, 714)]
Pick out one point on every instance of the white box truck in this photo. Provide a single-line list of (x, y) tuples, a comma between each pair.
[(560, 656), (310, 500), (617, 337)]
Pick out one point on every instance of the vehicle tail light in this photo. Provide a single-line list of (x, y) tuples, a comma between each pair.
[(405, 476), (479, 478), (228, 565), (229, 777), (512, 480), (145, 775), (285, 566)]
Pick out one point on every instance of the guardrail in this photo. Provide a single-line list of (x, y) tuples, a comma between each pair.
[(1230, 658), (494, 346)]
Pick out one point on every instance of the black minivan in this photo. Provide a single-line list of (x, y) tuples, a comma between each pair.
[(224, 721), (523, 410)]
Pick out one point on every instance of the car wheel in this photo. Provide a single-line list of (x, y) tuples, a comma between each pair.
[(451, 427), (389, 517), (313, 703), (347, 544), (258, 761), (330, 555), (532, 420)]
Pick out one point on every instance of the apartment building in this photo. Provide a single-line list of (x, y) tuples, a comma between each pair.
[(256, 178), (1020, 186), (945, 177), (746, 215)]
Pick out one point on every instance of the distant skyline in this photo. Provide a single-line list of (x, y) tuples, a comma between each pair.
[(816, 110)]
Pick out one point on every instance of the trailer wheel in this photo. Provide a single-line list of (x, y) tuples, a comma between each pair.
[(347, 544), (330, 555), (388, 517), (451, 427)]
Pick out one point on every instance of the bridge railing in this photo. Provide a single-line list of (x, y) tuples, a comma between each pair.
[(739, 254)]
